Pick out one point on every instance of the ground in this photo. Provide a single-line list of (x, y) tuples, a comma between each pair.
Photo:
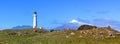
[(58, 37)]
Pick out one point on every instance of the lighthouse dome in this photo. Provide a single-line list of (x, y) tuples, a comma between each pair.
[(35, 12)]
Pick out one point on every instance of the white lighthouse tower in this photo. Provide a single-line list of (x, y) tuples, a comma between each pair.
[(35, 20)]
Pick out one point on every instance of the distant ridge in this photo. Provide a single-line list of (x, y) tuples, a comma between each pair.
[(21, 27), (73, 26)]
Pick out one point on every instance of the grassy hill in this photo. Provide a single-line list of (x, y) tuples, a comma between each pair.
[(91, 36)]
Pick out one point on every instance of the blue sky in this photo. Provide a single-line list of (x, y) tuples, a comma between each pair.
[(20, 12)]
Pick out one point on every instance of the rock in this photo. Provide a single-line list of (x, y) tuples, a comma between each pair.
[(72, 33), (12, 33), (118, 34), (67, 36), (22, 33), (86, 27), (34, 30), (42, 31)]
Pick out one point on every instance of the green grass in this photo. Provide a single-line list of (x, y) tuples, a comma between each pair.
[(56, 38)]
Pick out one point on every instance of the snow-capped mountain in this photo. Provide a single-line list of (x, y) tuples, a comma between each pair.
[(73, 24)]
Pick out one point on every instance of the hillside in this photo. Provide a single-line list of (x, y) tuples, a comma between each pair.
[(103, 35)]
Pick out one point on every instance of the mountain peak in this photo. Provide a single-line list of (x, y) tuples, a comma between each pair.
[(79, 22), (74, 21)]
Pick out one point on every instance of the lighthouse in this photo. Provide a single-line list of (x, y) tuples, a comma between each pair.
[(35, 20)]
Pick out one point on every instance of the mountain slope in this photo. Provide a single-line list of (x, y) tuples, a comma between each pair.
[(22, 27)]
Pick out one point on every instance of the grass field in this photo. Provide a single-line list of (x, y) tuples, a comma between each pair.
[(57, 38)]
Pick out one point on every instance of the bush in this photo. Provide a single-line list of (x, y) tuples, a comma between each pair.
[(52, 30)]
